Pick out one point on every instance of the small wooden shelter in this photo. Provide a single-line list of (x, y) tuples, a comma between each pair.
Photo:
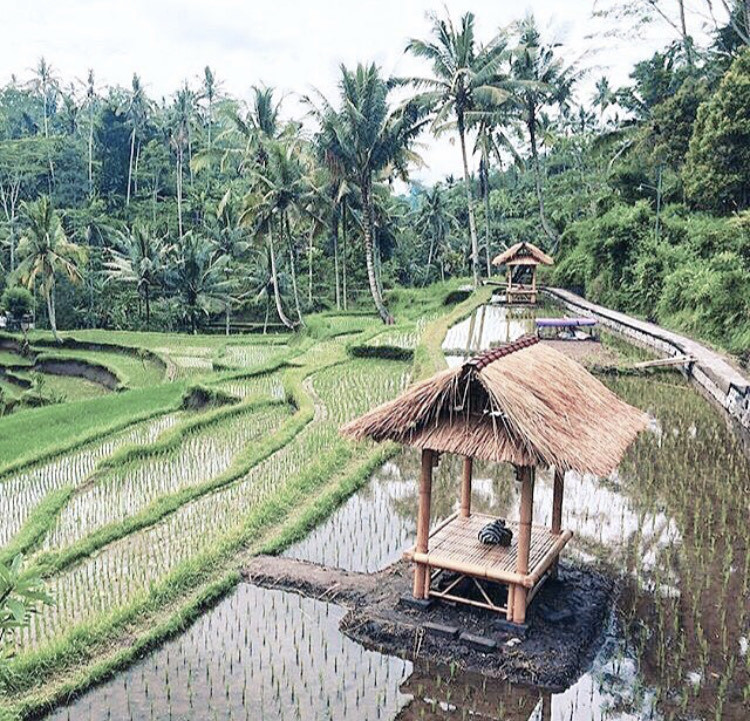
[(525, 404), (522, 260)]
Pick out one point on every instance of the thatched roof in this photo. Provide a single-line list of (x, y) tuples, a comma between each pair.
[(523, 254), (524, 403)]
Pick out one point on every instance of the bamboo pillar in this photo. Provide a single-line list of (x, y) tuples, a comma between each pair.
[(547, 707), (524, 541), (466, 487), (421, 571), (557, 501)]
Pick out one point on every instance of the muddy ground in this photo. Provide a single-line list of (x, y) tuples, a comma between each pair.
[(564, 623)]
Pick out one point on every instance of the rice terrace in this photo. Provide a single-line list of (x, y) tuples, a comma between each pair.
[(393, 366)]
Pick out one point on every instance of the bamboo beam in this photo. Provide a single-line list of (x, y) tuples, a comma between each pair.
[(549, 558), (421, 571), (466, 487), (557, 501), (471, 569), (524, 541)]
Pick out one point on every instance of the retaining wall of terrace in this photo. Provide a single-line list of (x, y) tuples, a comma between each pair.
[(711, 372)]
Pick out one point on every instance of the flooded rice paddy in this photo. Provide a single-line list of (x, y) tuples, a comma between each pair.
[(260, 654), (22, 492), (671, 524), (123, 492)]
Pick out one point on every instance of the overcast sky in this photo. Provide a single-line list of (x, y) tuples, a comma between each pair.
[(292, 45)]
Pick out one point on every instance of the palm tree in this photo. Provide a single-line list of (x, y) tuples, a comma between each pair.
[(45, 250), (368, 140), (435, 222), (279, 193), (141, 259), (491, 142), (465, 79), (543, 81), (46, 85), (199, 277), (210, 93), (137, 113), (180, 140), (92, 102)]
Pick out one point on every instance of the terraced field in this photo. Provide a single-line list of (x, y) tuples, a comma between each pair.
[(135, 529)]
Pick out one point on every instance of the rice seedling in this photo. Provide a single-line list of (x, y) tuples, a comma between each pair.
[(268, 385), (350, 389), (258, 654), (251, 356), (204, 453), (22, 492)]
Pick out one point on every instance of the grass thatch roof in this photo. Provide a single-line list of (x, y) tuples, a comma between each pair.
[(523, 253), (525, 403)]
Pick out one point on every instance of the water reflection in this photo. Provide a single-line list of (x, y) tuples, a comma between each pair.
[(487, 327), (672, 523), (260, 654)]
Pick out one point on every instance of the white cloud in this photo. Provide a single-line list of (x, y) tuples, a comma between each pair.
[(289, 44)]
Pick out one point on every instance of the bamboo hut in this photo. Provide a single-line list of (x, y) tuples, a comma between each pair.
[(521, 261), (525, 404)]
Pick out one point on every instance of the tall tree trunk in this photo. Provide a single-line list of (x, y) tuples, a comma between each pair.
[(429, 259), (50, 292), (335, 238), (135, 169), (368, 227), (130, 166), (293, 268), (51, 179), (179, 193), (210, 120), (91, 154), (275, 279), (147, 295), (486, 198), (687, 41), (469, 204), (343, 257), (549, 231), (310, 265)]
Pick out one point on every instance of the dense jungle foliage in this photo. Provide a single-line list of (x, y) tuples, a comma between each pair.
[(123, 211)]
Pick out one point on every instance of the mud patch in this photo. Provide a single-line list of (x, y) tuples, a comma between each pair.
[(565, 620), (80, 369)]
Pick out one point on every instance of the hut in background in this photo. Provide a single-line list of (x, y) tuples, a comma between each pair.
[(521, 261), (525, 404)]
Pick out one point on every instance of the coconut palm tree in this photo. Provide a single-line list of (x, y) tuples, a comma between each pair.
[(92, 103), (137, 115), (180, 140), (543, 81), (46, 85), (45, 250), (435, 222), (199, 278), (141, 259), (278, 197), (465, 82), (368, 140)]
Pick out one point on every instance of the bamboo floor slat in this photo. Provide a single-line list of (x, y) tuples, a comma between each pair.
[(456, 543)]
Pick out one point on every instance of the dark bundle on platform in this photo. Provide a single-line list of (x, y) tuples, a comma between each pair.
[(496, 533)]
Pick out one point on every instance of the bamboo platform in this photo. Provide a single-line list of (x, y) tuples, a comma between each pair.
[(454, 546)]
